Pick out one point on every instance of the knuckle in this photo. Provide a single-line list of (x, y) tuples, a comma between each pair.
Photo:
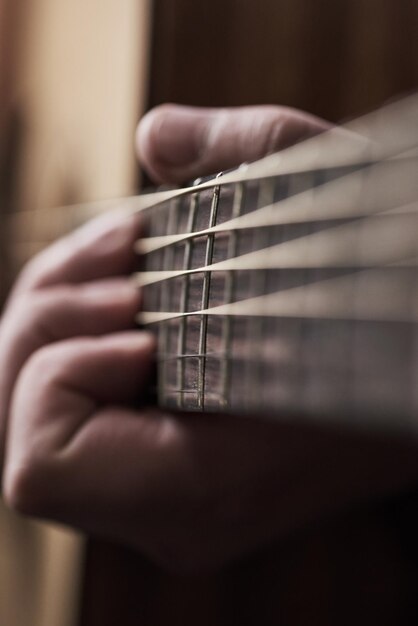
[(50, 364), (42, 365)]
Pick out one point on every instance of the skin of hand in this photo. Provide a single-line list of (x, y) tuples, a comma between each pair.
[(192, 491)]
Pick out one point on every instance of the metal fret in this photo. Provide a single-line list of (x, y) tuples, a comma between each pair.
[(163, 335), (273, 337), (193, 207), (205, 298)]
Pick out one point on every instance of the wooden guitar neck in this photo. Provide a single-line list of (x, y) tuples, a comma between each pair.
[(295, 297)]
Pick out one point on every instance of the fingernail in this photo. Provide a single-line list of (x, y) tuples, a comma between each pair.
[(180, 136)]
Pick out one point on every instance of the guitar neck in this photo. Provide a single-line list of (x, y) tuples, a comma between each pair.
[(288, 296), (286, 287)]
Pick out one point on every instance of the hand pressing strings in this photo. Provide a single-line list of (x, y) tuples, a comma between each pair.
[(191, 491)]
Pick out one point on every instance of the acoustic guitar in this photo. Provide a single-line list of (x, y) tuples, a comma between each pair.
[(288, 288)]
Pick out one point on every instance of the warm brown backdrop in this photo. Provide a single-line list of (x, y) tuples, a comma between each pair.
[(335, 58)]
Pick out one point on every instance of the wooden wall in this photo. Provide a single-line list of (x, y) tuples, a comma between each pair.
[(10, 21), (334, 58)]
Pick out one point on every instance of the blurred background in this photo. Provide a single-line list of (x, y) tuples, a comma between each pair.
[(75, 77)]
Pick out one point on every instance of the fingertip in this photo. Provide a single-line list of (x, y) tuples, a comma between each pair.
[(170, 140)]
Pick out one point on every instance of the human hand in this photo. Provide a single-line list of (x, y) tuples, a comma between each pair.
[(190, 490)]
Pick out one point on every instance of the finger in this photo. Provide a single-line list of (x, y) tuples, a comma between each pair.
[(46, 316), (178, 143), (102, 248), (57, 404)]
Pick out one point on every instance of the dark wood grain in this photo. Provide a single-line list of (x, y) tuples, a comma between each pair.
[(334, 58)]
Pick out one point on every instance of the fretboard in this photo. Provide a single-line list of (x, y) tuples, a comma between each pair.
[(295, 297)]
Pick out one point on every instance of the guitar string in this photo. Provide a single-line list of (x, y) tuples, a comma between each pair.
[(386, 241), (331, 200), (332, 298), (271, 307), (377, 136), (347, 197), (293, 210)]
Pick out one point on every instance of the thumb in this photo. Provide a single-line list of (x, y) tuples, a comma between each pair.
[(178, 143)]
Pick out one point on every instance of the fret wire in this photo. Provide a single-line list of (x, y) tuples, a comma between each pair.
[(300, 208), (193, 207), (163, 333), (205, 297)]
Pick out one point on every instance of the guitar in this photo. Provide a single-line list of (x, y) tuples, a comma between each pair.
[(287, 287)]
